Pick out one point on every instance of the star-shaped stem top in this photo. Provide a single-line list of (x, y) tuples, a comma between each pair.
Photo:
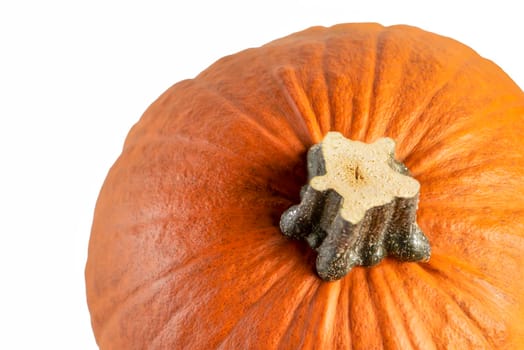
[(362, 175)]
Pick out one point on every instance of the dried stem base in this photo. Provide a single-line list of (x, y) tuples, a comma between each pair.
[(358, 207)]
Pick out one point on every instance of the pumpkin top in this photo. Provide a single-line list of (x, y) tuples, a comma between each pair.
[(186, 232)]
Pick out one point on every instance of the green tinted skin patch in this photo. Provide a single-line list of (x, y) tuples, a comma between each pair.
[(358, 207)]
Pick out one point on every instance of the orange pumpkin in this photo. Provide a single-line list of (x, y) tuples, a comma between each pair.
[(185, 248)]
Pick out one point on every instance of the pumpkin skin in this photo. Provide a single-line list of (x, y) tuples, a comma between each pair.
[(185, 248)]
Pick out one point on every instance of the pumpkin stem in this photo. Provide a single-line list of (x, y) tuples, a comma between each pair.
[(358, 207)]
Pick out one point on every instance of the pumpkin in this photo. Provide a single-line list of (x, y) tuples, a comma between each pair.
[(186, 250)]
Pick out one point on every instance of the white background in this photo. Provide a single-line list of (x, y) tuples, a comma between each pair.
[(75, 76)]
